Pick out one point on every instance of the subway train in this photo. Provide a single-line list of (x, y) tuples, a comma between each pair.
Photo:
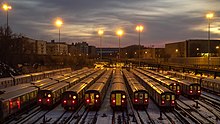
[(138, 94), (22, 96), (207, 83), (27, 78), (172, 85), (95, 94), (49, 96), (162, 96), (118, 92), (74, 96)]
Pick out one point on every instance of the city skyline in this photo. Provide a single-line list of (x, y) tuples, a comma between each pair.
[(163, 21)]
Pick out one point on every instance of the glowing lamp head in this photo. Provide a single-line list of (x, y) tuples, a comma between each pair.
[(48, 100), (173, 102), (120, 32), (59, 23), (73, 101), (123, 96), (190, 91), (6, 7), (136, 100), (209, 15), (139, 28), (162, 102), (199, 91), (122, 101), (100, 32)]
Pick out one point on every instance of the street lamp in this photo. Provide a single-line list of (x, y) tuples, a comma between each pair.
[(6, 7), (59, 23), (209, 16), (139, 28), (119, 33), (100, 33)]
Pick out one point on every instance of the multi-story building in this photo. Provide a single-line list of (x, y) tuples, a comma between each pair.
[(54, 48), (92, 52), (41, 47), (193, 48)]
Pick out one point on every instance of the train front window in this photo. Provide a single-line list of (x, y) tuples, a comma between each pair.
[(178, 87), (70, 95), (167, 97), (190, 88), (136, 95), (163, 97), (173, 97), (141, 95), (145, 95), (198, 87), (174, 88)]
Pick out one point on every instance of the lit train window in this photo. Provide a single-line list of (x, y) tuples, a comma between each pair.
[(173, 97), (198, 87), (163, 97), (190, 88), (170, 86), (167, 97), (136, 95), (178, 87), (174, 88), (113, 95), (70, 96), (87, 95)]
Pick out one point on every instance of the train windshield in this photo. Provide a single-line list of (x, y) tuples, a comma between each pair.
[(141, 95), (167, 97), (145, 95), (173, 97)]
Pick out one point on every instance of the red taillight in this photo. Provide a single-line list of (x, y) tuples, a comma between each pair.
[(19, 105), (178, 91), (122, 101), (39, 100), (190, 91), (87, 100), (145, 100), (73, 101), (199, 91), (173, 102), (162, 102), (48, 100), (136, 100), (113, 101), (64, 101), (96, 100)]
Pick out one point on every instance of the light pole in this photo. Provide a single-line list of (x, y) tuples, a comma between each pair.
[(6, 7), (59, 23), (100, 33), (209, 16), (119, 33), (139, 28)]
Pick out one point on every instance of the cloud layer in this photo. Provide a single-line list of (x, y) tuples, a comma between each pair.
[(164, 20)]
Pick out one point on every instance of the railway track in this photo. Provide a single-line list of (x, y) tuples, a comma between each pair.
[(194, 114)]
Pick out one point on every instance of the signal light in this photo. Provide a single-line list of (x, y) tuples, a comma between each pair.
[(87, 100), (190, 91), (64, 101), (39, 100)]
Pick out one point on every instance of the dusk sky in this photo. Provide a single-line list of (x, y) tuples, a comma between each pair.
[(164, 21)]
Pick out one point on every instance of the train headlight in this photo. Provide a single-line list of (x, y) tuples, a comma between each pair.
[(49, 95), (123, 96), (97, 96), (74, 97)]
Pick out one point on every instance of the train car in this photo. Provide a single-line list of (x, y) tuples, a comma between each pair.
[(138, 94), (6, 82), (14, 88), (43, 83), (22, 79), (49, 96), (161, 95), (210, 84), (37, 76), (13, 102), (95, 94), (118, 94), (172, 85), (74, 96)]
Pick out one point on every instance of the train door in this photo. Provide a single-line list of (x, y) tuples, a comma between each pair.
[(141, 98), (118, 99), (92, 97)]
